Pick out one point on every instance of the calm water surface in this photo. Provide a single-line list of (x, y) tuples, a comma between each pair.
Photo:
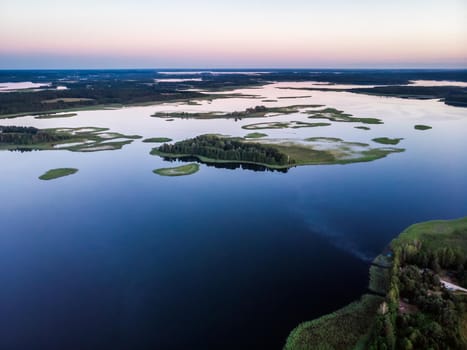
[(117, 257)]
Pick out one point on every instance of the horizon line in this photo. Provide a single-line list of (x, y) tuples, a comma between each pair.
[(265, 69)]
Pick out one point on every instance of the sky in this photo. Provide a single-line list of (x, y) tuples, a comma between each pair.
[(233, 34)]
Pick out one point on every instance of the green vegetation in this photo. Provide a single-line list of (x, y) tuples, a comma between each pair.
[(178, 171), (343, 329), (387, 140), (67, 100), (85, 139), (212, 147), (434, 236), (362, 127), (291, 97), (57, 115), (325, 139), (157, 140), (339, 152), (336, 115), (282, 125), (379, 279), (273, 155), (56, 173), (418, 312), (422, 127), (255, 135), (421, 312), (87, 95), (26, 136), (254, 112)]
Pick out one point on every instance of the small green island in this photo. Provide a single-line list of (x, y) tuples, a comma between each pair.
[(182, 170), (387, 140), (157, 140), (422, 127), (362, 127), (292, 97), (417, 298), (82, 139), (255, 135), (272, 154), (55, 115), (57, 173)]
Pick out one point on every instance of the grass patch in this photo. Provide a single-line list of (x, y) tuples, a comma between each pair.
[(336, 115), (422, 127), (178, 171), (67, 100), (335, 151), (254, 112), (291, 97), (387, 140), (342, 329), (323, 139), (56, 173), (157, 140), (283, 125), (255, 135), (436, 234)]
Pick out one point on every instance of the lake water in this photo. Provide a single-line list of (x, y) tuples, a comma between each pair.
[(118, 257)]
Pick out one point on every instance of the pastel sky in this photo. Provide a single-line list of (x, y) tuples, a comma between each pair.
[(235, 34)]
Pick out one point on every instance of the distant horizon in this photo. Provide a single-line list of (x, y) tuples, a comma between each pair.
[(246, 69)]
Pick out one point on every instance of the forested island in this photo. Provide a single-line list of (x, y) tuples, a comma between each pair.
[(423, 277), (215, 148), (271, 154)]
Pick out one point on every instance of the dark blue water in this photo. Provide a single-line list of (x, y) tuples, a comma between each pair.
[(116, 257)]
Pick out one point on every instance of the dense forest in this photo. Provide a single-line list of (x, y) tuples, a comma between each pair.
[(419, 312), (18, 135), (88, 94), (226, 149)]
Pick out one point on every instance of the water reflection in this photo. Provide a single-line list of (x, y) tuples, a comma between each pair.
[(226, 165)]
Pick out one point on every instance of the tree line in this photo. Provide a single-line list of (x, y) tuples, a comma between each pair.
[(19, 135), (435, 319), (227, 149)]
